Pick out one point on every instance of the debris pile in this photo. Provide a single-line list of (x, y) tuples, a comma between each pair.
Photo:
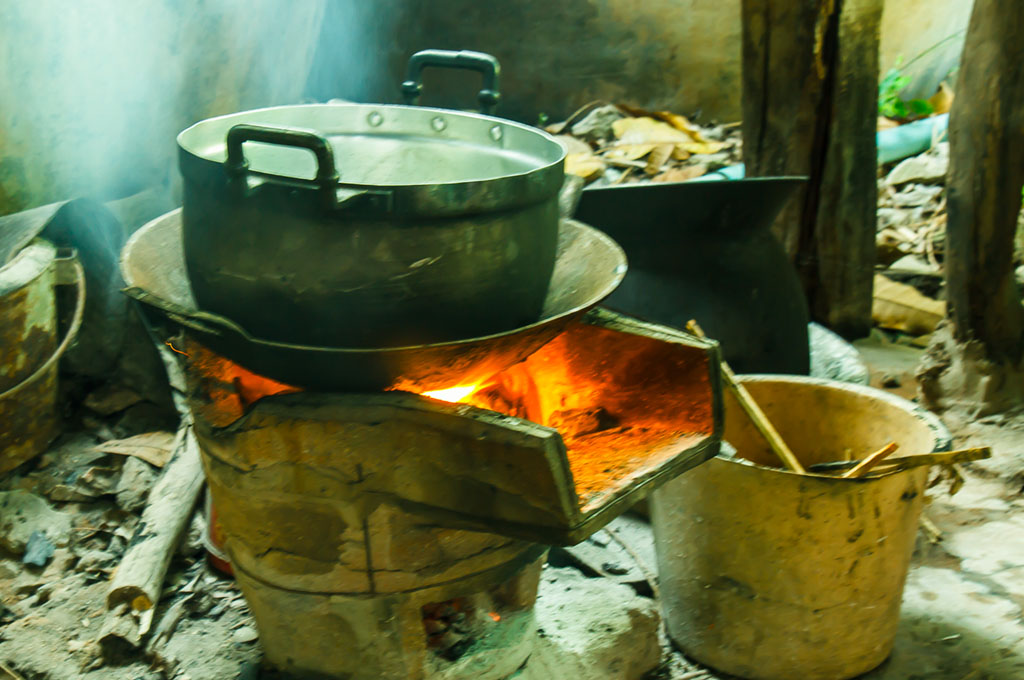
[(616, 144), (67, 521), (909, 295)]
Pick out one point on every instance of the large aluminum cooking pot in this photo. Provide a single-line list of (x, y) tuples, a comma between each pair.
[(370, 225)]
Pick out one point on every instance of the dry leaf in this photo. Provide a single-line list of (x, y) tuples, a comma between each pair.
[(639, 136), (628, 152), (901, 307), (680, 123), (674, 119), (574, 145), (153, 447), (647, 131), (703, 147), (658, 157), (585, 165), (636, 111), (942, 100), (680, 154), (682, 174)]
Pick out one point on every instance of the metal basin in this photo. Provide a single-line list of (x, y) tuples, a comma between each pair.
[(588, 267), (704, 250)]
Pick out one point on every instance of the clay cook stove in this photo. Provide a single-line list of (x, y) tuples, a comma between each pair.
[(400, 533)]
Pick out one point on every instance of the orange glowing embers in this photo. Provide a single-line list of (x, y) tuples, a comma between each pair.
[(228, 389), (628, 400), (623, 404)]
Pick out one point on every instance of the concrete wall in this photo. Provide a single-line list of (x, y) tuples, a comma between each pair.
[(92, 94), (560, 54), (912, 27)]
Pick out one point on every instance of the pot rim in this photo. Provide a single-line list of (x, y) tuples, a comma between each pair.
[(548, 153), (26, 266)]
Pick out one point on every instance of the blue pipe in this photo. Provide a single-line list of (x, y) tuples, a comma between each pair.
[(910, 139), (893, 144)]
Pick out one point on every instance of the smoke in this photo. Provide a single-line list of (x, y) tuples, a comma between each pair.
[(94, 92), (350, 59)]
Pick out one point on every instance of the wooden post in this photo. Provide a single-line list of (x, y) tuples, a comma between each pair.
[(810, 105), (986, 135)]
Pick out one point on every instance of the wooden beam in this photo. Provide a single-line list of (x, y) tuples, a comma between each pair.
[(986, 134), (810, 104)]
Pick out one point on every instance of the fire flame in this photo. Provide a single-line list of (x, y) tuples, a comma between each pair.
[(453, 395), (495, 616), (623, 404)]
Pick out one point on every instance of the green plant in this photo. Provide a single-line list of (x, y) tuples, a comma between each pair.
[(891, 105)]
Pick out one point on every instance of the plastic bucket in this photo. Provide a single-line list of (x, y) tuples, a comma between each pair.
[(771, 575)]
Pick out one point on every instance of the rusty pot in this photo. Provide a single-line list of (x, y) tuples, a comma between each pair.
[(29, 349)]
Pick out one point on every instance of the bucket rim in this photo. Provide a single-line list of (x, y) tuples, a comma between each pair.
[(943, 438), (27, 265)]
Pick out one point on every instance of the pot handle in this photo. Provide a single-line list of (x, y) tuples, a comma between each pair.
[(485, 64), (334, 195), (236, 164)]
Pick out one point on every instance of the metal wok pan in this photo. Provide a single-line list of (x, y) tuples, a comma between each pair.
[(588, 267)]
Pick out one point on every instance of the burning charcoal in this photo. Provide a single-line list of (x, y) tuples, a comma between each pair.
[(573, 423)]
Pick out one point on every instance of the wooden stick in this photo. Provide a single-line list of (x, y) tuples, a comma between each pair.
[(757, 416), (140, 576), (871, 461), (908, 462), (11, 673), (934, 533), (123, 631)]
